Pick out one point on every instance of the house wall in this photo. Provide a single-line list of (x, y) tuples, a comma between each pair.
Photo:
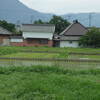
[(33, 43), (16, 40), (68, 44), (4, 40), (37, 35)]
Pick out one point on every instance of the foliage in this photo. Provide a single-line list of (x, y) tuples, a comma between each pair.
[(59, 23), (91, 39), (48, 83), (39, 22), (9, 26), (9, 49)]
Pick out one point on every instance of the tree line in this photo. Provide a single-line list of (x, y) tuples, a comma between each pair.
[(59, 22)]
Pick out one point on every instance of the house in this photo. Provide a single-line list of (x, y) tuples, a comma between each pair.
[(16, 40), (37, 35), (4, 37), (71, 35)]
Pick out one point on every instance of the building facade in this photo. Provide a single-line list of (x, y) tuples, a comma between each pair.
[(4, 37), (34, 35), (71, 35)]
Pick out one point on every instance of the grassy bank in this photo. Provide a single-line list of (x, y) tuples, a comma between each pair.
[(49, 83), (46, 52), (9, 49)]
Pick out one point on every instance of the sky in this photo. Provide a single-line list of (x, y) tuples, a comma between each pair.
[(63, 6)]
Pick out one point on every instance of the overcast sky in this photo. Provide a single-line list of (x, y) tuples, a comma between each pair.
[(64, 6)]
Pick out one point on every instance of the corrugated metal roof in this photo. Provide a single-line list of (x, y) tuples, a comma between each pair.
[(75, 29), (4, 31), (44, 28)]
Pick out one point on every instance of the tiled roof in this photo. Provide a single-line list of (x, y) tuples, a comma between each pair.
[(75, 29), (46, 28), (4, 31)]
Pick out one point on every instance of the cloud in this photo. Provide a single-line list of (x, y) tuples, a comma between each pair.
[(63, 6)]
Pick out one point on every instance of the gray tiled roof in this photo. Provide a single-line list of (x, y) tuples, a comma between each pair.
[(38, 28), (75, 29), (4, 31)]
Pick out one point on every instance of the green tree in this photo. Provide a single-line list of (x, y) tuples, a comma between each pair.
[(39, 22), (91, 39), (9, 26), (59, 23)]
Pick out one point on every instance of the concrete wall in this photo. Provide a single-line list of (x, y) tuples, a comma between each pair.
[(68, 44), (37, 35)]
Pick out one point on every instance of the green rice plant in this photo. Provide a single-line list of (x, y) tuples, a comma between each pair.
[(48, 83)]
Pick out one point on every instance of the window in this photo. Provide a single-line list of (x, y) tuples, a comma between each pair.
[(30, 41), (43, 41)]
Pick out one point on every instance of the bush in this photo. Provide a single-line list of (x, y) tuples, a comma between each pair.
[(91, 39)]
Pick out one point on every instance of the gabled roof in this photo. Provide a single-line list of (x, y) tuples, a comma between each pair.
[(75, 29), (4, 31), (42, 28)]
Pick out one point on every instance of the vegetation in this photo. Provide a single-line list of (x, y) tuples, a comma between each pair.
[(59, 22), (91, 39), (58, 81), (40, 22), (8, 50), (48, 83), (9, 26), (11, 50), (37, 55)]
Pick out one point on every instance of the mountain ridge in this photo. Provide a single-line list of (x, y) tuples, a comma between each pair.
[(16, 12)]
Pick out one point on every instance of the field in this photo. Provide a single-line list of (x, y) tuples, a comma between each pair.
[(49, 80), (48, 83)]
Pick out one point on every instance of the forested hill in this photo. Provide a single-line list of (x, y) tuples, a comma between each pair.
[(16, 12)]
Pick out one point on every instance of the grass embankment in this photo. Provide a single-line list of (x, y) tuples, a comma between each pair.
[(50, 52), (49, 49), (36, 55), (48, 83), (19, 52)]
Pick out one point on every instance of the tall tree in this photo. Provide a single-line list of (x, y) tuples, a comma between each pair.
[(91, 39), (59, 23)]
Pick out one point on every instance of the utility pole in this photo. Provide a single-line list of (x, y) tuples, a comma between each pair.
[(18, 22), (90, 19)]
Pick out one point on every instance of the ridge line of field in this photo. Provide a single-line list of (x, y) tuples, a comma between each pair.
[(50, 59)]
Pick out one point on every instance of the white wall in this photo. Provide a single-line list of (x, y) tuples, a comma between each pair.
[(68, 44), (6, 42), (16, 40), (37, 35)]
